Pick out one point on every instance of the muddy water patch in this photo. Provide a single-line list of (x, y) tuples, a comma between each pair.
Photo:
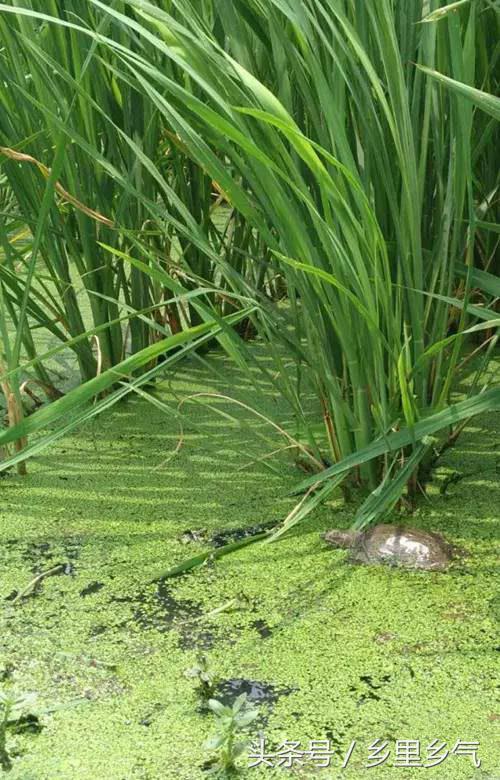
[(36, 550), (262, 628), (164, 612), (98, 630), (91, 588), (369, 688), (41, 554), (227, 691), (262, 695)]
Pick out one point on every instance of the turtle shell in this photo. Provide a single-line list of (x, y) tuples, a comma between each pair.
[(402, 546)]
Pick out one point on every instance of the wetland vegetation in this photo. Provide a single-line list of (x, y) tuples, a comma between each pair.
[(249, 288)]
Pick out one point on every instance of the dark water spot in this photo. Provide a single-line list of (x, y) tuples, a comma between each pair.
[(27, 724), (148, 719), (72, 548), (262, 628), (165, 612), (371, 686), (367, 696), (12, 595), (6, 671), (183, 616), (92, 587), (34, 551), (261, 694), (41, 553), (257, 692), (365, 678), (98, 630), (222, 538), (336, 737)]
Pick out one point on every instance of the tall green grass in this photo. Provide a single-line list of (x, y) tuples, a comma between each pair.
[(64, 109), (352, 179)]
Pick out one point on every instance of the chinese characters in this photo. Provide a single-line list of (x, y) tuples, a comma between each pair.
[(319, 752)]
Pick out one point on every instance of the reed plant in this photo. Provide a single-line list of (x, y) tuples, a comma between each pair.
[(352, 179)]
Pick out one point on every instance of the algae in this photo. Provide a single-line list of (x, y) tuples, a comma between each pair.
[(361, 652)]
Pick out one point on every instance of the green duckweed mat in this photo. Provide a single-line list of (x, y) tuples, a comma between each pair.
[(343, 653)]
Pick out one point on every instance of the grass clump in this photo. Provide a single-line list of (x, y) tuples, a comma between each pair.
[(342, 174)]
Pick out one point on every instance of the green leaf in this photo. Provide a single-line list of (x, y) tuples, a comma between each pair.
[(483, 100), (440, 13), (217, 707), (239, 748), (76, 398), (385, 496), (453, 414), (197, 560), (306, 506), (239, 702), (215, 742), (245, 718), (488, 283), (494, 227)]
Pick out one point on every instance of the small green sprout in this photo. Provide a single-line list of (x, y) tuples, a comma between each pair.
[(15, 711), (204, 674), (230, 721)]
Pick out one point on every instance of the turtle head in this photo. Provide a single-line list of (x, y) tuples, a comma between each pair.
[(340, 538)]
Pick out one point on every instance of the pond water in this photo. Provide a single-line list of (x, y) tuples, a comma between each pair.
[(330, 651)]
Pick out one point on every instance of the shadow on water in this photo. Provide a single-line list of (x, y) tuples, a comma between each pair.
[(40, 554), (164, 612), (263, 695), (91, 588), (262, 628), (227, 691)]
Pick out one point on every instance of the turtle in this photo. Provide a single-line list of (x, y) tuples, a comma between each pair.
[(396, 545)]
